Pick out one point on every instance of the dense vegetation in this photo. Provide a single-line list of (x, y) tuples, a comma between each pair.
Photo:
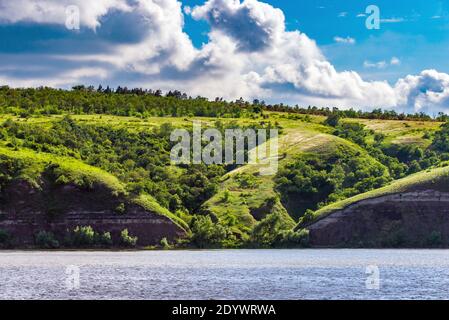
[(312, 181), (125, 134), (400, 159), (144, 103)]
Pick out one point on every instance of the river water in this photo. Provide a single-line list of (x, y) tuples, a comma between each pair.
[(226, 274)]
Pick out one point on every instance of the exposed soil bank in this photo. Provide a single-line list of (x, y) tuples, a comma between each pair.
[(416, 218), (26, 210)]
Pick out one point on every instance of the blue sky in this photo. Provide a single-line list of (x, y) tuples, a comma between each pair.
[(419, 37), (170, 44)]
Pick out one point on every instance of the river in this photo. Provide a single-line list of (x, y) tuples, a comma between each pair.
[(225, 274)]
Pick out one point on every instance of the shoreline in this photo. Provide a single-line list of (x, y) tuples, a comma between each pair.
[(215, 250)]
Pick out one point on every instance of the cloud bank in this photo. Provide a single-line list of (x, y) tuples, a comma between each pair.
[(249, 54)]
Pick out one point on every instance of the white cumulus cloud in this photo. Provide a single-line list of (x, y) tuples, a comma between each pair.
[(249, 54), (55, 11), (395, 61), (382, 64), (347, 40)]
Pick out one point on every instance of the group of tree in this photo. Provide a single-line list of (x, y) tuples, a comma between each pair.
[(147, 102)]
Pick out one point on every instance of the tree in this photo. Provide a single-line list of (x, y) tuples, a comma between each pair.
[(332, 120), (206, 233)]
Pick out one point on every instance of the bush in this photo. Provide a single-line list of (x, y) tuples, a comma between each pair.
[(271, 202), (83, 236), (46, 240), (292, 238), (226, 195), (206, 233), (352, 131), (104, 239), (245, 180), (5, 238), (307, 217), (435, 239), (164, 243), (120, 209), (268, 231), (332, 120), (127, 240), (86, 237)]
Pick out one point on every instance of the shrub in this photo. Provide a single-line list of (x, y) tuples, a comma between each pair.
[(46, 240), (267, 231), (435, 239), (5, 237), (307, 217), (332, 120), (104, 239), (226, 196), (164, 243), (206, 233), (127, 240), (83, 236), (246, 180), (86, 237), (120, 209), (292, 238), (427, 135), (271, 202)]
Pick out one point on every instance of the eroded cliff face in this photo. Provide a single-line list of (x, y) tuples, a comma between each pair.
[(417, 218), (25, 210)]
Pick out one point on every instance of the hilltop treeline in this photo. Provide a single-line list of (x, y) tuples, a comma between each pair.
[(140, 102)]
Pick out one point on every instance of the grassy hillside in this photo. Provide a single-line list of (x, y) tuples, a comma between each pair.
[(402, 132), (435, 178), (244, 193), (33, 166), (27, 165), (327, 158), (243, 199)]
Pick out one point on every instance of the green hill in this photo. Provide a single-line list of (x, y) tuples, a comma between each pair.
[(436, 179), (117, 143), (45, 193), (244, 193), (409, 212)]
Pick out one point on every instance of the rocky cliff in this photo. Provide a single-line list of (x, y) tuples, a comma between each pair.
[(26, 210), (414, 214)]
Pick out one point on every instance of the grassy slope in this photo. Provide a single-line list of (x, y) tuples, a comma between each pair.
[(73, 168), (396, 132), (300, 136), (401, 132), (435, 177), (76, 170)]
